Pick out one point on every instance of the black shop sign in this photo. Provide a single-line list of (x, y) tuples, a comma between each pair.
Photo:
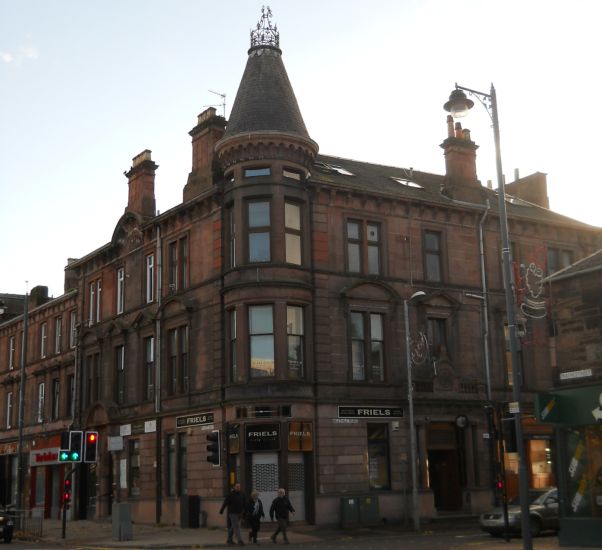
[(262, 437), (369, 412), (198, 419)]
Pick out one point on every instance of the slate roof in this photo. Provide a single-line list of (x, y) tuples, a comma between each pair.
[(265, 100), (590, 263), (377, 178)]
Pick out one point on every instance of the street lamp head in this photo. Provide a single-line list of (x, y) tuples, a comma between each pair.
[(458, 104), (417, 294)]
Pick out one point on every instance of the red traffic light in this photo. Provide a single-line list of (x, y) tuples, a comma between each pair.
[(91, 437), (500, 485), (67, 495)]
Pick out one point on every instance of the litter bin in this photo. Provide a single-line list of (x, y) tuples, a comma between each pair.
[(350, 514), (121, 518), (190, 511), (369, 511)]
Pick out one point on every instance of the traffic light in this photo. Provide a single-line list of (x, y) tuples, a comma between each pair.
[(75, 446), (91, 447), (67, 491), (213, 448), (71, 446)]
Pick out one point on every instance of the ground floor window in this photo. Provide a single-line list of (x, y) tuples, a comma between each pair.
[(378, 456), (134, 462)]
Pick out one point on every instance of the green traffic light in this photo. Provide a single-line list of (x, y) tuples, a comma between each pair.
[(64, 456), (74, 456)]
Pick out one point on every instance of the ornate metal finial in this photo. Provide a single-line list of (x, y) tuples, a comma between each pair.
[(265, 34)]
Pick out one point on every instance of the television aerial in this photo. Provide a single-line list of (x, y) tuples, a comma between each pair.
[(222, 104)]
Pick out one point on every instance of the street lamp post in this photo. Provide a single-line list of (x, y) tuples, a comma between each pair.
[(415, 503), (459, 105)]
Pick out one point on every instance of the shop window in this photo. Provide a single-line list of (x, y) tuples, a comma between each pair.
[(259, 231), (261, 340), (363, 247), (292, 228), (134, 467), (295, 341), (378, 457), (182, 464), (171, 478), (120, 375), (367, 346), (432, 256)]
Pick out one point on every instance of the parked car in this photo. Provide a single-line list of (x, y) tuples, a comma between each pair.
[(6, 526), (543, 515)]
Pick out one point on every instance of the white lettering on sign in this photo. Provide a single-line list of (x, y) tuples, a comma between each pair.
[(273, 433), (345, 420), (575, 374), (373, 412)]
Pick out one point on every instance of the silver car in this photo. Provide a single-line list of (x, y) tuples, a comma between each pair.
[(543, 515)]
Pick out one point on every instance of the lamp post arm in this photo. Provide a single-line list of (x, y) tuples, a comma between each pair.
[(512, 336), (485, 99)]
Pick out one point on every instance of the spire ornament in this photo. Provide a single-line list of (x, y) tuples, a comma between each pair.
[(265, 34)]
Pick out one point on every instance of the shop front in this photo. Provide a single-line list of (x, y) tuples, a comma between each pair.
[(576, 414)]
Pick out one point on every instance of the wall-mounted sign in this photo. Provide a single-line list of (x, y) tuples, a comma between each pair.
[(369, 412), (198, 419), (44, 457), (300, 436), (262, 437), (234, 439), (114, 443)]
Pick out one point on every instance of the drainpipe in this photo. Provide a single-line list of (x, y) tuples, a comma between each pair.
[(159, 473)]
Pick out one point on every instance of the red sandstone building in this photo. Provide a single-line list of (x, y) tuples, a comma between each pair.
[(268, 305)]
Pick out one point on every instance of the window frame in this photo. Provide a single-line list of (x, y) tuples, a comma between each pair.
[(56, 399), (43, 340), (364, 245), (9, 410), (12, 347), (58, 334), (149, 368), (134, 468), (379, 445), (257, 336), (365, 342), (437, 253), (120, 387), (150, 278), (294, 336), (259, 230), (41, 403), (120, 290), (296, 232), (72, 329)]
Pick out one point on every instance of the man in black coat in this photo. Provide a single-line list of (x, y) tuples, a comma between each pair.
[(236, 503), (280, 508)]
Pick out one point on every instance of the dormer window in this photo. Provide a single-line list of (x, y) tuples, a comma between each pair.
[(257, 172)]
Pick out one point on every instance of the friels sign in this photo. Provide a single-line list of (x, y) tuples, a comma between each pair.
[(300, 436), (369, 412), (198, 419), (262, 437)]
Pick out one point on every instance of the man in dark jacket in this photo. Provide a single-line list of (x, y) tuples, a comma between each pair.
[(280, 508), (236, 504)]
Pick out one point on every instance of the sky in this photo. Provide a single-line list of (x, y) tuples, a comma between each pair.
[(85, 86)]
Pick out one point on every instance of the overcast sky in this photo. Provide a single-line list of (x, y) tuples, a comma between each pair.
[(85, 86)]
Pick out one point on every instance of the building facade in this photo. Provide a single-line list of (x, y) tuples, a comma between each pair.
[(269, 306)]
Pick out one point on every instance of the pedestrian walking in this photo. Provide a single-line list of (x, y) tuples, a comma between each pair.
[(236, 503), (281, 506), (254, 515)]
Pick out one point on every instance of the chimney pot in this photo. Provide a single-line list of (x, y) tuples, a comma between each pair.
[(141, 157)]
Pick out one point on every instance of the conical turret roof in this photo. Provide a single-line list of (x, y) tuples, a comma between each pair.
[(265, 100)]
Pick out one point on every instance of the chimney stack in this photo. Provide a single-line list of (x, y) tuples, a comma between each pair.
[(209, 130), (460, 164), (141, 181)]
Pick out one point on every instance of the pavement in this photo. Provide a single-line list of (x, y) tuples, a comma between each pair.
[(99, 534)]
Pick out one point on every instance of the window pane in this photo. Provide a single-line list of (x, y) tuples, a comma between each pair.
[(373, 260), (294, 320), (260, 320), (376, 326), (262, 355), (357, 354), (292, 216), (259, 214), (357, 325), (431, 241), (378, 457), (353, 230), (254, 172), (353, 253), (433, 268), (295, 356), (293, 249), (376, 362), (259, 247), (372, 232)]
